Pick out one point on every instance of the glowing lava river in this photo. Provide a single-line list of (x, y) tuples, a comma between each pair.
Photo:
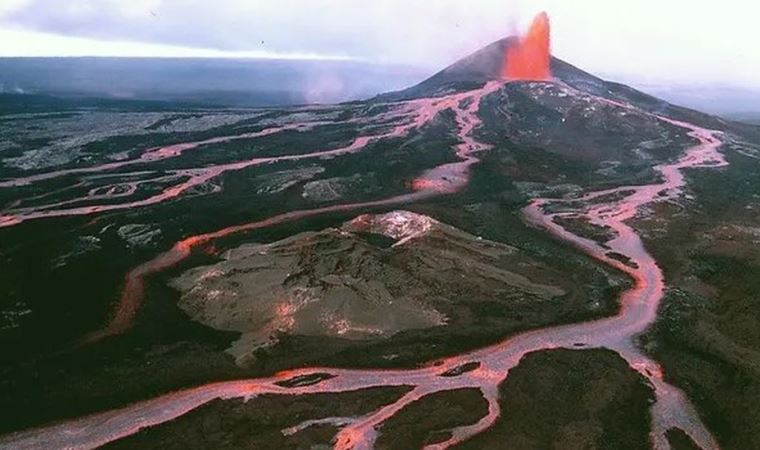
[(483, 369)]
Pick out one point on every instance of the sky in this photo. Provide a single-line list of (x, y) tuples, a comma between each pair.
[(678, 41)]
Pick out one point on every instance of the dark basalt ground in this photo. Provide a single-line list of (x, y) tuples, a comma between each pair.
[(167, 351), (259, 423), (707, 337), (422, 422), (570, 399), (83, 261)]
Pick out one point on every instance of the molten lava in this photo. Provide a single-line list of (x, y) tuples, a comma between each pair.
[(529, 58)]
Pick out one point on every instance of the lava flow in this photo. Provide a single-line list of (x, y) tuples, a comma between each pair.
[(483, 369), (444, 179), (420, 111), (529, 58)]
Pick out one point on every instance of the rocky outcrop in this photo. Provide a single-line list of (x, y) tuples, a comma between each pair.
[(349, 283)]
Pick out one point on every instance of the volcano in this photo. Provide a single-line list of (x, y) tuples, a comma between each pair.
[(469, 261), (488, 64), (491, 62)]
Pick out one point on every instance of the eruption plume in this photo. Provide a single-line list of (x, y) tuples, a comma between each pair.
[(529, 58)]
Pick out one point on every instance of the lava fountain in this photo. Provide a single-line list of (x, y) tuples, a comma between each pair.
[(529, 58)]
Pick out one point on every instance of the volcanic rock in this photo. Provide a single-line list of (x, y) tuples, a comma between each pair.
[(344, 283)]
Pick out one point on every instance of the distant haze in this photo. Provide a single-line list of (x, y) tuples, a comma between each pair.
[(203, 81)]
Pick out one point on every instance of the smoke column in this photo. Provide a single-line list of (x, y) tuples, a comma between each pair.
[(529, 58)]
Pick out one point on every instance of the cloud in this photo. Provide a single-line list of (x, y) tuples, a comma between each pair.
[(42, 44), (8, 6), (380, 30), (654, 39)]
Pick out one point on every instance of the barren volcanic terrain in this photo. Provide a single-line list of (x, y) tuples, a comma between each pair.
[(493, 258)]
